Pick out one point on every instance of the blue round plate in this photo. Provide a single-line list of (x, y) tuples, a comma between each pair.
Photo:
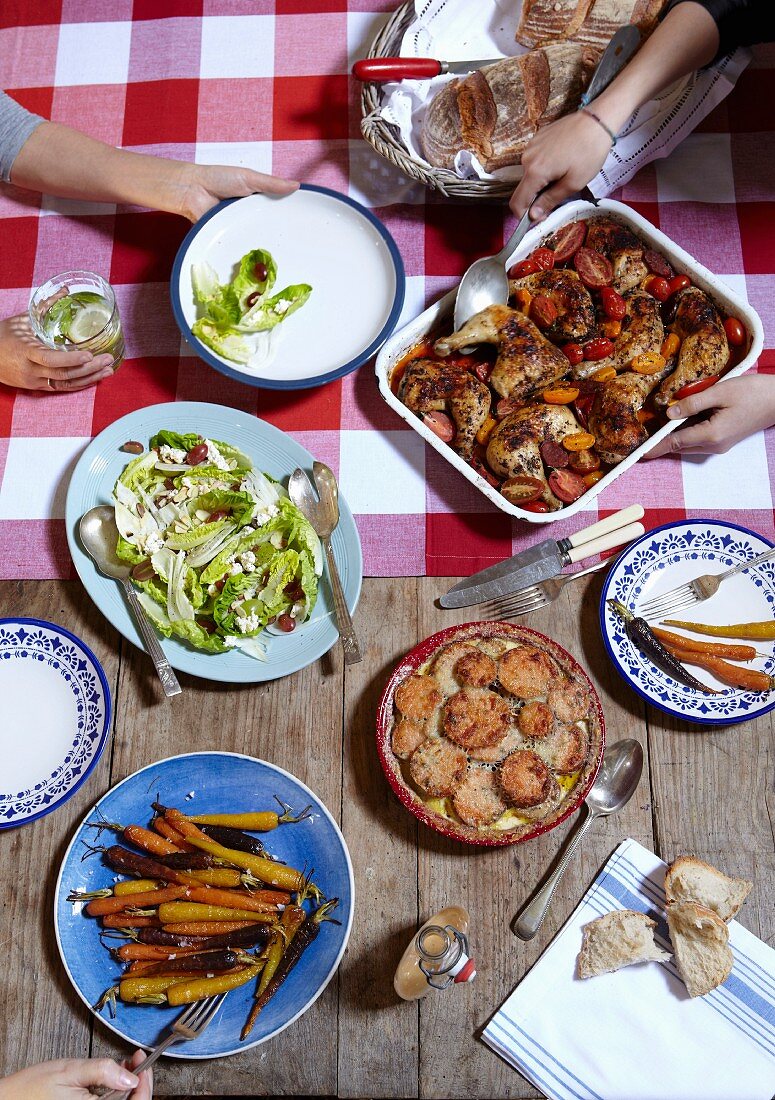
[(56, 717), (208, 782), (273, 452), (662, 560), (316, 236)]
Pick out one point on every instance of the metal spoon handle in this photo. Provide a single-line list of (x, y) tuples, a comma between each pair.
[(352, 651), (532, 916), (522, 227), (169, 680)]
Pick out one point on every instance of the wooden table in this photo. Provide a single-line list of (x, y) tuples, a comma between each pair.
[(704, 792)]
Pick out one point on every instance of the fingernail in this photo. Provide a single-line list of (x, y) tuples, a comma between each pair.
[(537, 212), (673, 410), (128, 1080)]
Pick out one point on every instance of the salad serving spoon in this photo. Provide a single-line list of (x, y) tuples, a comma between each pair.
[(323, 513), (614, 786), (99, 536)]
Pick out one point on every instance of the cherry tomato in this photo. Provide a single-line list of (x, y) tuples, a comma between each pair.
[(197, 455), (582, 406), (554, 455), (543, 311), (285, 622), (593, 477), (483, 371), (562, 393), (657, 264), (695, 387), (440, 424), (567, 240), (670, 346), (523, 268), (648, 362), (657, 287), (484, 471), (679, 282), (544, 258), (599, 348), (585, 462), (614, 306), (735, 332), (566, 485), (535, 506), (574, 353), (595, 271), (522, 489), (578, 441)]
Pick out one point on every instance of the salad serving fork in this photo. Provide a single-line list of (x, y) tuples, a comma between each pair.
[(701, 588), (537, 595), (189, 1025)]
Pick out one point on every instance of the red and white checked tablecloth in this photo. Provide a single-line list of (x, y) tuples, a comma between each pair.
[(265, 83)]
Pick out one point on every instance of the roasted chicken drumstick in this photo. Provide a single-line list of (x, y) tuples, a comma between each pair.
[(571, 299), (704, 349), (513, 447), (431, 387)]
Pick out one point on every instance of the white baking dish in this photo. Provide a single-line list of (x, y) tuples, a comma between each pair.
[(437, 319)]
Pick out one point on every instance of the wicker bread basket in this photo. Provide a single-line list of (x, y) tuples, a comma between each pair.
[(387, 140)]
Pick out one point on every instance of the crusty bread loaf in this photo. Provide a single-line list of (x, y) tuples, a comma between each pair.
[(615, 940), (495, 111), (591, 22), (691, 879), (700, 946)]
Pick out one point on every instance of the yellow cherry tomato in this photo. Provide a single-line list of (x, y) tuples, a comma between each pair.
[(611, 329), (523, 299), (484, 432), (604, 374), (650, 362), (560, 395), (670, 346), (593, 477), (578, 441)]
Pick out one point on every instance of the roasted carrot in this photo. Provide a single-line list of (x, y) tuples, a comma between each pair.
[(179, 821), (135, 886), (100, 907), (755, 631), (121, 859), (748, 679), (290, 922), (210, 927), (197, 989), (243, 937), (145, 952), (261, 822), (173, 912), (207, 961), (169, 832), (126, 920), (218, 876), (274, 874), (234, 838), (188, 861), (713, 649), (262, 901), (142, 988), (148, 841)]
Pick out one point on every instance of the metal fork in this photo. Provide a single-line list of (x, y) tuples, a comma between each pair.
[(702, 588), (188, 1025), (537, 595)]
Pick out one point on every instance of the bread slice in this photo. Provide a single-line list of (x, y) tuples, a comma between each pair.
[(615, 940), (690, 879), (700, 945)]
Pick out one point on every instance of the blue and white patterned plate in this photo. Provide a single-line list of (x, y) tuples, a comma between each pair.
[(666, 558), (56, 717), (208, 782)]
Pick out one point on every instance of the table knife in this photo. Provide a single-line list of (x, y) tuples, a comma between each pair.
[(615, 56), (382, 69), (545, 560)]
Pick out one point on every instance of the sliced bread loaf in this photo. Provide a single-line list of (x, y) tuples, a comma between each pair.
[(690, 879), (615, 940), (700, 945)]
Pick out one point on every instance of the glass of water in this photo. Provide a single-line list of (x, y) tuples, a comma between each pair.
[(77, 311)]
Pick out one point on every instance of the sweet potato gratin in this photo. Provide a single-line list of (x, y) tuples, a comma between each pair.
[(495, 732)]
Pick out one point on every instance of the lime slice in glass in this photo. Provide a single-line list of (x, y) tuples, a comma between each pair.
[(87, 322)]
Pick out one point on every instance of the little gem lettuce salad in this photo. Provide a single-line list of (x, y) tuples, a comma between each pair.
[(217, 549)]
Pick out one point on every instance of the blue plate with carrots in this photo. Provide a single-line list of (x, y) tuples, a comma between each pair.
[(197, 784)]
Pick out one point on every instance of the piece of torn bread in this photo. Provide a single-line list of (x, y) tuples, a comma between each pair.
[(700, 946), (618, 939), (690, 879)]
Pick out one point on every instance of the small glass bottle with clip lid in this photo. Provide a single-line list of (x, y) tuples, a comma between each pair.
[(437, 957)]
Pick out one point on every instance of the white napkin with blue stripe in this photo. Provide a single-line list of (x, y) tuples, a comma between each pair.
[(636, 1034)]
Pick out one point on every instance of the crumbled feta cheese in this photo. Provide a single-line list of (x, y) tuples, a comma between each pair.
[(171, 454), (235, 568), (212, 590), (214, 456), (246, 624), (248, 561), (282, 306), (153, 543)]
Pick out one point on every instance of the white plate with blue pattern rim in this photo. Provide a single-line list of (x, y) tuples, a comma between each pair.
[(673, 555), (56, 717), (208, 782), (274, 452), (316, 236)]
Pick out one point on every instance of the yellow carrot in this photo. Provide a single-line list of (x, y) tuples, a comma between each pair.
[(185, 992), (175, 912)]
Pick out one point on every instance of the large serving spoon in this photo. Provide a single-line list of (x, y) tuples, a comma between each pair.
[(323, 513), (613, 788), (99, 536)]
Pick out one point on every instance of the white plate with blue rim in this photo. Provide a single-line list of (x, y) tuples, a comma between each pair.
[(317, 237), (56, 717), (207, 782), (662, 560)]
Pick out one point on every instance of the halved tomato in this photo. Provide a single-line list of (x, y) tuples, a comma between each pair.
[(566, 485), (440, 424), (695, 387), (522, 489)]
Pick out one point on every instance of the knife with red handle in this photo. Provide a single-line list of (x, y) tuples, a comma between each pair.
[(383, 69)]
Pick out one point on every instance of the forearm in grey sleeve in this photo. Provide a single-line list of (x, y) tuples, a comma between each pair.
[(16, 125)]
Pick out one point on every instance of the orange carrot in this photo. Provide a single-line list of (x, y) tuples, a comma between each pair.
[(186, 828), (712, 649), (163, 827), (207, 927), (148, 841), (749, 679), (124, 920), (145, 900), (144, 952), (263, 901)]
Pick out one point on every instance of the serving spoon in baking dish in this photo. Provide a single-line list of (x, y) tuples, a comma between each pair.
[(614, 786)]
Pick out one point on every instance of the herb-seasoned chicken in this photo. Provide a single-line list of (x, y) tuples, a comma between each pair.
[(575, 311), (623, 249), (642, 330), (704, 350), (527, 361), (613, 418), (431, 387), (514, 444)]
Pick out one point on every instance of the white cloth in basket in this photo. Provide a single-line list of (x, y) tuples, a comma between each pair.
[(445, 29)]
